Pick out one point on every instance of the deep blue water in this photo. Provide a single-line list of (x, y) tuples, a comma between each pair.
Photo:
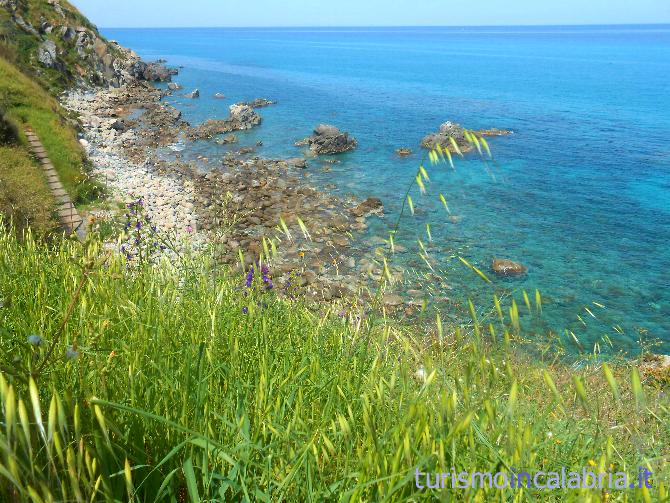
[(580, 193)]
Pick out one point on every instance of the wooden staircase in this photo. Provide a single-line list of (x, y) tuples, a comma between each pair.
[(70, 220)]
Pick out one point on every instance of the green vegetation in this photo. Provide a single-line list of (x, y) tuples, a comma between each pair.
[(177, 383), (24, 196), (20, 46), (28, 105)]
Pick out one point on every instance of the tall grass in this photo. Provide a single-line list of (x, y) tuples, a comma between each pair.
[(181, 384)]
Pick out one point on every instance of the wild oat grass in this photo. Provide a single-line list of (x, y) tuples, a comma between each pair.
[(171, 384)]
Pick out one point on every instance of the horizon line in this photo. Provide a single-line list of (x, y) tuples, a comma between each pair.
[(576, 25)]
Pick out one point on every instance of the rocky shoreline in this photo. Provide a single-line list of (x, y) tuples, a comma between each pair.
[(230, 205)]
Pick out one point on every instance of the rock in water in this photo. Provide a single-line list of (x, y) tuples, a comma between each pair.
[(220, 96), (451, 131), (193, 94), (442, 137), (173, 86), (506, 267), (328, 139), (403, 152), (244, 116), (260, 102)]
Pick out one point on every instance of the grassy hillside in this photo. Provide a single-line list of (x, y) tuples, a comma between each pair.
[(24, 195), (175, 383), (26, 24)]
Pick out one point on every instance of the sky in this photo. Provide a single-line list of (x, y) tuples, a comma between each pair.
[(228, 13)]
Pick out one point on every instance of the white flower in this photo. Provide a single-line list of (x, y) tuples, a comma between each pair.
[(420, 374)]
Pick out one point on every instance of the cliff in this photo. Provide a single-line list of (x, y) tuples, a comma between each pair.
[(51, 41)]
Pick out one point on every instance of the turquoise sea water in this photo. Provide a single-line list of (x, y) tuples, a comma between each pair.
[(580, 193)]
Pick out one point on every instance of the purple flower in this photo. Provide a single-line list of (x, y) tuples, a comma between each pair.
[(35, 340), (245, 310), (250, 277), (189, 229), (71, 353), (138, 225)]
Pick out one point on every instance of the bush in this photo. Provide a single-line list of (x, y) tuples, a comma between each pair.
[(9, 133)]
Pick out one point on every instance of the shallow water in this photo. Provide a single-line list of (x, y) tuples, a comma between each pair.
[(580, 193)]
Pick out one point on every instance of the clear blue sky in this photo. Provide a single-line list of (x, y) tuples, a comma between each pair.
[(168, 13)]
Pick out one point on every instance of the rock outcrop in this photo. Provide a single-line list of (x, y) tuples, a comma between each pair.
[(66, 41), (242, 117), (327, 140), (451, 131)]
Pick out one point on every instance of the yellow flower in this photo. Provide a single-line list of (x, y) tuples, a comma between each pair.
[(301, 254), (592, 463)]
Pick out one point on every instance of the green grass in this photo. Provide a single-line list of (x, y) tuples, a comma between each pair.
[(178, 395), (24, 195), (25, 102)]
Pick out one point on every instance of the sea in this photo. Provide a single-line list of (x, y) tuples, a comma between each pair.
[(579, 194)]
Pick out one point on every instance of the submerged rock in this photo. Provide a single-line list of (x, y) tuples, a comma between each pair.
[(193, 94), (173, 86), (220, 96), (372, 205), (328, 139), (506, 267), (403, 152)]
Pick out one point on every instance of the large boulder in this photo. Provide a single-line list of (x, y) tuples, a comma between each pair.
[(193, 94), (328, 139), (46, 54), (506, 267), (243, 116)]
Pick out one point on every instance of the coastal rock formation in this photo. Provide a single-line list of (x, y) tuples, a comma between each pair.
[(242, 117), (173, 86), (328, 139), (67, 42), (451, 131), (507, 268), (442, 137), (193, 94)]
